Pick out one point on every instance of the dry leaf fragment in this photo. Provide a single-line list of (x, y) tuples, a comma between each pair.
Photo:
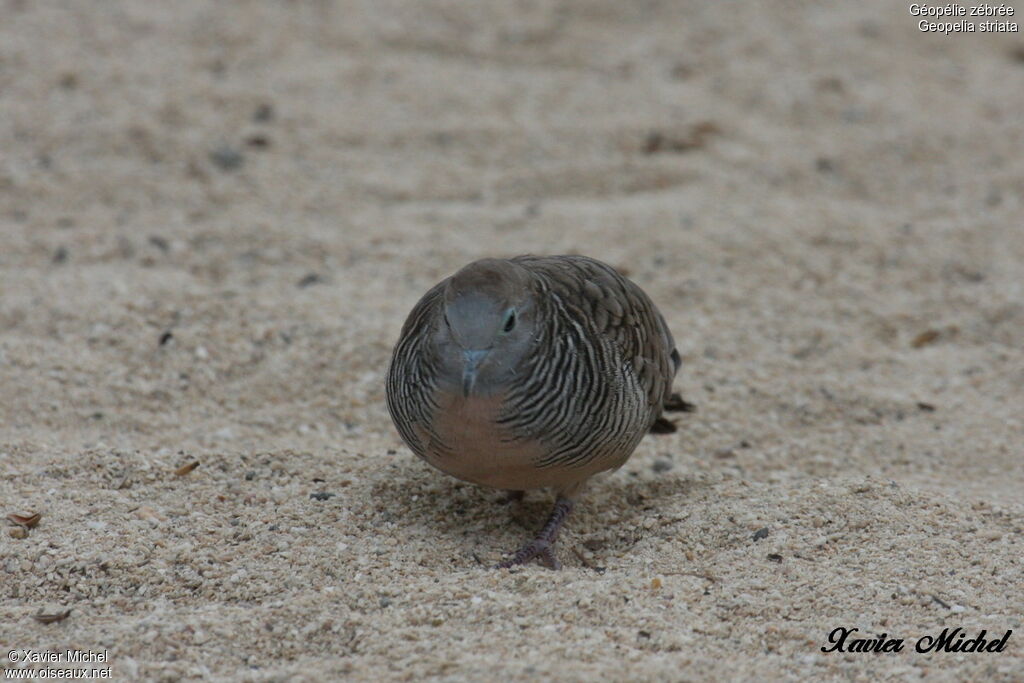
[(185, 469), (925, 338), (52, 618), (693, 138), (27, 521)]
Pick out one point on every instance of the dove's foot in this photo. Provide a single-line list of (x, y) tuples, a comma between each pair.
[(543, 546)]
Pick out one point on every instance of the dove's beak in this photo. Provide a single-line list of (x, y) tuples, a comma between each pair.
[(469, 370)]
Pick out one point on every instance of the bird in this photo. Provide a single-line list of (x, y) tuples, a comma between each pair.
[(532, 372)]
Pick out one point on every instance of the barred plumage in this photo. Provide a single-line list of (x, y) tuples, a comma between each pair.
[(531, 372)]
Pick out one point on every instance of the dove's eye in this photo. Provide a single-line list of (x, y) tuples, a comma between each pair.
[(510, 320)]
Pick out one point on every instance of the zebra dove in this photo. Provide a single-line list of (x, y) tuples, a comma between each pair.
[(531, 372)]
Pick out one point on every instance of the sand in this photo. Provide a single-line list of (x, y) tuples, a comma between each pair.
[(215, 217)]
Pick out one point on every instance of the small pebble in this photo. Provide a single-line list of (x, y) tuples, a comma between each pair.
[(227, 158), (150, 515), (309, 279), (264, 113), (225, 433), (662, 465)]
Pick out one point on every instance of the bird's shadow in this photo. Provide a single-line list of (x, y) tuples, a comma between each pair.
[(430, 505)]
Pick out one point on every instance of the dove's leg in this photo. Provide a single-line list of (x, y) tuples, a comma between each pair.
[(544, 545)]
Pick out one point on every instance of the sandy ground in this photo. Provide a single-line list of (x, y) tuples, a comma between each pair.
[(215, 216)]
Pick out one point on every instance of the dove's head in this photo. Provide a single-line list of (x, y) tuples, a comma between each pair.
[(487, 327)]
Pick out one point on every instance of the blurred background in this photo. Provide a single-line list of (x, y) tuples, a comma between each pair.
[(253, 176), (214, 217)]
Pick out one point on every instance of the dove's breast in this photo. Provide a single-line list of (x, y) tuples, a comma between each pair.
[(466, 441)]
